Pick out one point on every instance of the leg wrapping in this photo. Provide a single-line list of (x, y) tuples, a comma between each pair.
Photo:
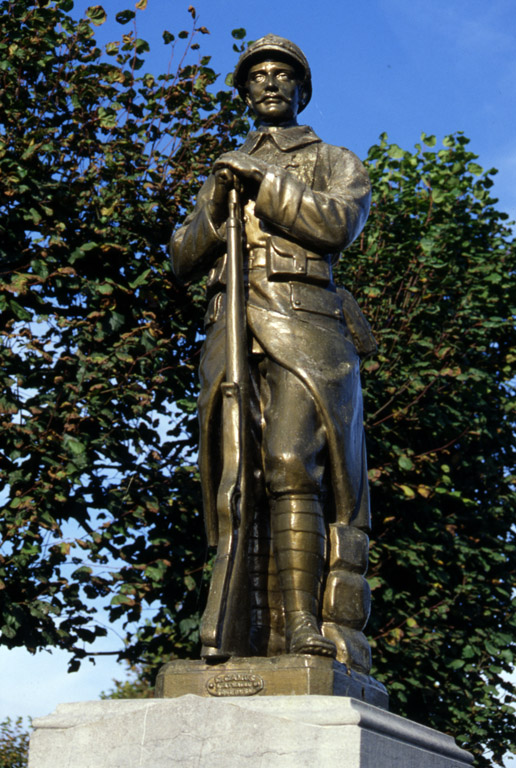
[(299, 545)]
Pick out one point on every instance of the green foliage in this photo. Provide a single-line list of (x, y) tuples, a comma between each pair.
[(14, 744), (434, 273), (99, 343), (98, 163)]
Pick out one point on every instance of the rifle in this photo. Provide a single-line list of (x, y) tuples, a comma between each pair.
[(225, 622)]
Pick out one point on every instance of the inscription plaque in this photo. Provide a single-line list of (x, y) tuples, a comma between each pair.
[(235, 684)]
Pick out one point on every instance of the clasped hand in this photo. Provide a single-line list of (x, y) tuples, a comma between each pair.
[(244, 167), (235, 169)]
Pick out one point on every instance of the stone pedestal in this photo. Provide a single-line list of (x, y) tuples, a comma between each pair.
[(232, 732)]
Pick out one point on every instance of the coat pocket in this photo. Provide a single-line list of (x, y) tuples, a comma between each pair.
[(287, 260), (311, 298)]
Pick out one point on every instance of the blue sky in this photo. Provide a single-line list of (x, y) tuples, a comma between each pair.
[(400, 66)]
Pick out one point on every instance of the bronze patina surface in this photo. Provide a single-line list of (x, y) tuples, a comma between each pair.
[(286, 675), (282, 455)]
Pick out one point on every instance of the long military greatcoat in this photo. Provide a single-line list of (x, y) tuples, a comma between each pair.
[(312, 203)]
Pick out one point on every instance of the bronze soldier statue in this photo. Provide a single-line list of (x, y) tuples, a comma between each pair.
[(288, 577)]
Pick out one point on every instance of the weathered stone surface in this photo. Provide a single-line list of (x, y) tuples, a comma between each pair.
[(277, 732), (347, 599), (287, 675)]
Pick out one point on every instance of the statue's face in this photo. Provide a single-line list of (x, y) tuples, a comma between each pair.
[(273, 91)]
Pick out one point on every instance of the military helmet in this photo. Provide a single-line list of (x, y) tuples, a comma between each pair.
[(272, 45)]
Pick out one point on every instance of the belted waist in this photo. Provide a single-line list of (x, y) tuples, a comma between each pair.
[(286, 260), (283, 260)]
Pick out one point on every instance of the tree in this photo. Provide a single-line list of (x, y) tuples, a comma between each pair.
[(14, 744), (99, 342), (99, 354), (434, 273)]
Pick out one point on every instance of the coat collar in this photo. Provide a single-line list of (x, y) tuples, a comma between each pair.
[(285, 139)]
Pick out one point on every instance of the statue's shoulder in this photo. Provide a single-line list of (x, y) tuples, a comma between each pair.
[(340, 153), (342, 165), (330, 153)]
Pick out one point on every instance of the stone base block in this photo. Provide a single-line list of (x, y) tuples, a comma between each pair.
[(288, 675), (257, 732)]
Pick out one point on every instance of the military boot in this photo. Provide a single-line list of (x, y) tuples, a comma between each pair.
[(299, 540)]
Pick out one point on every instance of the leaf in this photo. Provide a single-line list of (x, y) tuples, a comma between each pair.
[(141, 279), (122, 600), (141, 5), (190, 583), (19, 311), (409, 492), (405, 463), (35, 215), (124, 17), (429, 140), (112, 48), (75, 445), (427, 245), (395, 151), (141, 45), (475, 168), (96, 14), (238, 33)]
